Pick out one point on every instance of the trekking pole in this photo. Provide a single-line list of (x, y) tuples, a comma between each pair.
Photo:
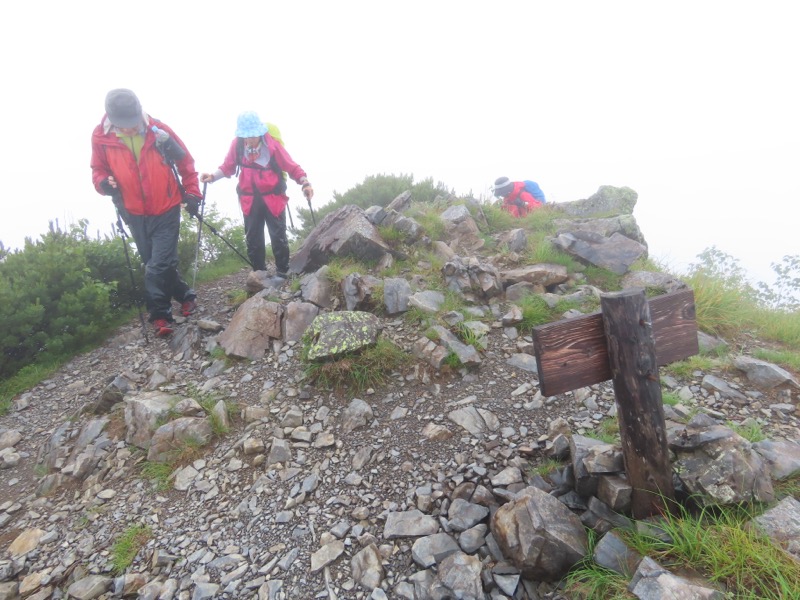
[(291, 221), (313, 218), (199, 217), (219, 235), (199, 231), (124, 237)]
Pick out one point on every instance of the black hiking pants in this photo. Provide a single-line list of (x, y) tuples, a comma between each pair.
[(254, 224), (156, 238)]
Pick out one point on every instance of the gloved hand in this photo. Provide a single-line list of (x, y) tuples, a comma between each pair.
[(108, 189), (192, 203)]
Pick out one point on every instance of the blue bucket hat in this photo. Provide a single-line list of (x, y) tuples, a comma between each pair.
[(249, 125)]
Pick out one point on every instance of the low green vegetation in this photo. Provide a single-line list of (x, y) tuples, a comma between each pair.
[(607, 431), (218, 422), (64, 292), (717, 544), (540, 251), (358, 371), (468, 336), (721, 545), (727, 304), (218, 353), (375, 190), (417, 316), (785, 358), (127, 546), (427, 215), (339, 268), (787, 487), (429, 264), (604, 279), (497, 219), (25, 379), (535, 311), (670, 398), (590, 581), (686, 368), (237, 297), (546, 467), (452, 361), (158, 474), (750, 430), (392, 236), (453, 302)]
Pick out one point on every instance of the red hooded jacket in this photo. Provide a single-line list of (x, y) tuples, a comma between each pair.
[(148, 187), (519, 202), (265, 180)]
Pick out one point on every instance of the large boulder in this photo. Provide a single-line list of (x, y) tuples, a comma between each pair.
[(255, 323), (608, 200), (345, 232), (539, 535)]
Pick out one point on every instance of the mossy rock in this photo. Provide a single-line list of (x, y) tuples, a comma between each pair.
[(332, 335)]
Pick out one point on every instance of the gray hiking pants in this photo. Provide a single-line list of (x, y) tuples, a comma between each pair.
[(156, 238)]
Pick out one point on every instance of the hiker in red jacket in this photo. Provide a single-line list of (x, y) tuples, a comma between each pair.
[(517, 197), (130, 163), (260, 160)]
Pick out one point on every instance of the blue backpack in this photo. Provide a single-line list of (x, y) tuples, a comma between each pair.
[(534, 190)]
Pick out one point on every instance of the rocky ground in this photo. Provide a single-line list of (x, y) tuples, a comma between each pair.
[(306, 516)]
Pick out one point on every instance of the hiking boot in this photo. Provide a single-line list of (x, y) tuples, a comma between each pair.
[(188, 307), (163, 327)]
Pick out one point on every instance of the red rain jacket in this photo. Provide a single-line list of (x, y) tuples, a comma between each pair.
[(148, 187), (519, 202), (263, 179)]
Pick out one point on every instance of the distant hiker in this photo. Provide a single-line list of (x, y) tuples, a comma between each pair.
[(260, 159), (519, 197), (132, 163)]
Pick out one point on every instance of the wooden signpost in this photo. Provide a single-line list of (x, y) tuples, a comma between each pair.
[(626, 342)]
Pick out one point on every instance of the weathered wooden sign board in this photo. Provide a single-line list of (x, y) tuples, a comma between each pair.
[(573, 353), (626, 342)]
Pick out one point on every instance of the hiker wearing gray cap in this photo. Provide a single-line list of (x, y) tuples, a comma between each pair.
[(136, 160), (519, 197)]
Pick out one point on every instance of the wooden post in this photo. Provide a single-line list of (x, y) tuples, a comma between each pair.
[(634, 372)]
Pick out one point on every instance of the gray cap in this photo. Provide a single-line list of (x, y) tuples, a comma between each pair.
[(123, 108), (503, 186)]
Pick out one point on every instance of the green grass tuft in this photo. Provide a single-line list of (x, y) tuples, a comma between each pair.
[(545, 468), (670, 398), (721, 545), (686, 368), (127, 546), (158, 474), (751, 430), (535, 311), (785, 358), (359, 370)]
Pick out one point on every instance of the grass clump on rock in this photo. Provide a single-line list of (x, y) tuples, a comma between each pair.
[(359, 370)]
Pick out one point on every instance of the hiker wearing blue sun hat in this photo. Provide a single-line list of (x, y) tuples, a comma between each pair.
[(259, 159)]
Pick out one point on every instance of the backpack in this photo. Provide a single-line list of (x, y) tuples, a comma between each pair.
[(534, 190), (275, 133)]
